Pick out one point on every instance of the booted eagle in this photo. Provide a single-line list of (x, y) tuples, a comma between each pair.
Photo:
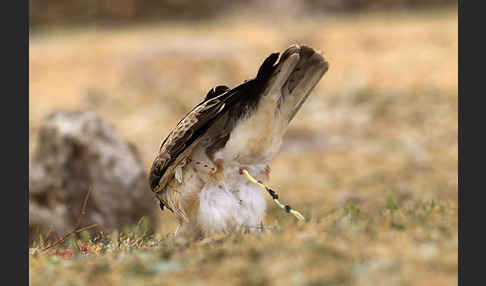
[(198, 172)]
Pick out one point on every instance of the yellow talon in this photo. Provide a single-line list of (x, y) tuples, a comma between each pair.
[(297, 214)]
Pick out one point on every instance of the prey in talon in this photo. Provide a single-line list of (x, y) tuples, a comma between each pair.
[(211, 169)]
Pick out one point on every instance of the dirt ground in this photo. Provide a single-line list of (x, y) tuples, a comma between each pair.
[(370, 159)]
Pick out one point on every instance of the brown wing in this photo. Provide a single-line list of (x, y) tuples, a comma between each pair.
[(219, 101), (181, 139)]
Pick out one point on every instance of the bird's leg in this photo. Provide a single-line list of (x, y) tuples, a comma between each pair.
[(274, 195)]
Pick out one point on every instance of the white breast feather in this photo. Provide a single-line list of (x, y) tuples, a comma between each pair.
[(234, 202)]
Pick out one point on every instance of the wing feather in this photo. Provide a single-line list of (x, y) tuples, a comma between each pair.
[(181, 141), (186, 132)]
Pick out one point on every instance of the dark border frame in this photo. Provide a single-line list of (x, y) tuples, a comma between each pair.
[(15, 139)]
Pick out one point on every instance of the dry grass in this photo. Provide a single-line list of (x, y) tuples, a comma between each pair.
[(370, 160)]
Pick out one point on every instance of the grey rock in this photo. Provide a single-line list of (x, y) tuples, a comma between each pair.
[(78, 150)]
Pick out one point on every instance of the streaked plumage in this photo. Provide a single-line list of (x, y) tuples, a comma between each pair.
[(196, 173)]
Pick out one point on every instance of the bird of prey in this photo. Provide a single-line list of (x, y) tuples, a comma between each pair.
[(199, 172)]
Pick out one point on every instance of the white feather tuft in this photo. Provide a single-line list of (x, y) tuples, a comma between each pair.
[(238, 203), (178, 174)]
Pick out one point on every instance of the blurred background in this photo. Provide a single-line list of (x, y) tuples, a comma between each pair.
[(378, 131)]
